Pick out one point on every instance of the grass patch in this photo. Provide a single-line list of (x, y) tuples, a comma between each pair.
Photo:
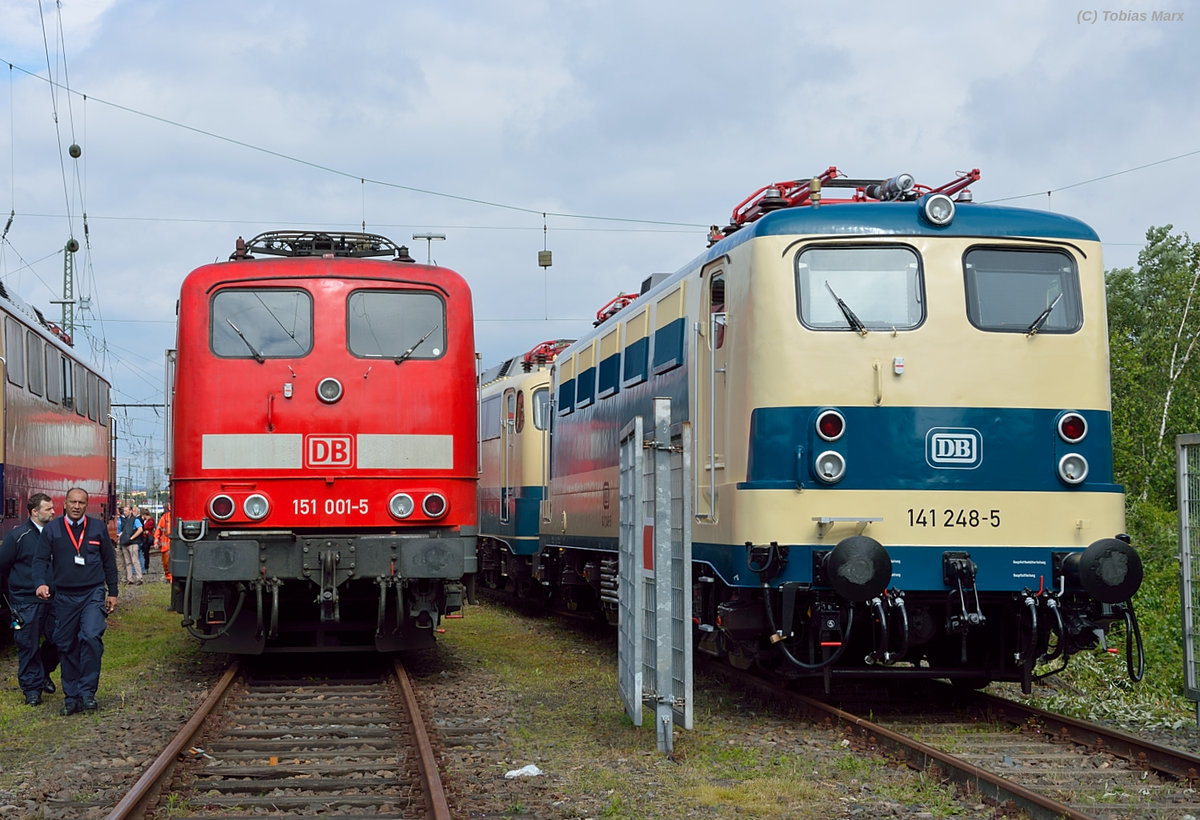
[(564, 687), (140, 642)]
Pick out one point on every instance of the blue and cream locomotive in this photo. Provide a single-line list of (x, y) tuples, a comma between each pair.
[(898, 408)]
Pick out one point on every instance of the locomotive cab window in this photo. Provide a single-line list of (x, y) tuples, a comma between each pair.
[(259, 323), (1013, 290), (395, 324), (857, 288), (541, 408)]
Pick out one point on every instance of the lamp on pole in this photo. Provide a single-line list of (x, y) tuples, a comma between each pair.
[(429, 237)]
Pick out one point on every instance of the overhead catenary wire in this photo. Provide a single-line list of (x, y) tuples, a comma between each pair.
[(363, 180), (350, 175), (627, 223), (1101, 178)]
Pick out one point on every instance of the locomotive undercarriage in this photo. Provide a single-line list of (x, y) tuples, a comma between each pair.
[(850, 626), (794, 632), (253, 592)]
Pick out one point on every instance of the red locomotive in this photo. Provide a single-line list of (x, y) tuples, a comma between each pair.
[(323, 446)]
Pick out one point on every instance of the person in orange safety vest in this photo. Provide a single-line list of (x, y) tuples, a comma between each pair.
[(162, 540)]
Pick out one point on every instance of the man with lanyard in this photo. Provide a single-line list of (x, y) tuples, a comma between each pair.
[(78, 554), (33, 619)]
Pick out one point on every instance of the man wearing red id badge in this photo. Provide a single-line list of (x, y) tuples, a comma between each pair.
[(78, 555)]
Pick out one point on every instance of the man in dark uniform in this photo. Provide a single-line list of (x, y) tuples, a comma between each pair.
[(78, 555), (33, 619)]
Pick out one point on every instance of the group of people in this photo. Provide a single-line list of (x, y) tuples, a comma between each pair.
[(62, 586), (136, 536)]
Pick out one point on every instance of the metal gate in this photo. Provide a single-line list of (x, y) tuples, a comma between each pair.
[(654, 653)]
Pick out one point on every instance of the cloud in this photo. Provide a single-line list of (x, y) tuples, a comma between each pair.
[(206, 121)]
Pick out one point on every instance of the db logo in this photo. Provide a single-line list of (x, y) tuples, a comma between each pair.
[(328, 451), (954, 448)]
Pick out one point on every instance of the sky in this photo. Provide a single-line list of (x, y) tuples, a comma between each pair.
[(611, 133)]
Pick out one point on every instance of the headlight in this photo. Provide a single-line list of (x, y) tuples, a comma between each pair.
[(830, 467), (1072, 468), (256, 507), (938, 209), (401, 505), (329, 390)]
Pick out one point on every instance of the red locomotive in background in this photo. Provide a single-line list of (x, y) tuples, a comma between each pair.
[(55, 420), (323, 446)]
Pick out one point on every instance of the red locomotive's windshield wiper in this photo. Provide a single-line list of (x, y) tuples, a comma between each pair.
[(258, 357), (408, 353)]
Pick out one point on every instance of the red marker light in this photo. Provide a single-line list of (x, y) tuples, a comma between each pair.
[(1072, 427), (830, 425)]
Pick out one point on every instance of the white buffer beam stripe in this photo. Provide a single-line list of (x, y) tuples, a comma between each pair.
[(285, 451)]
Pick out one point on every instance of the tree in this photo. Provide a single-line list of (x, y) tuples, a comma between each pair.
[(1154, 335)]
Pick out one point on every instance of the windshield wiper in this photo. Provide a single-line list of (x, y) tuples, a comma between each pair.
[(408, 353), (258, 357), (855, 323), (1042, 317)]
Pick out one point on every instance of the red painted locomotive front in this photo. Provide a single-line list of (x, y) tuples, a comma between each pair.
[(325, 493), (244, 427)]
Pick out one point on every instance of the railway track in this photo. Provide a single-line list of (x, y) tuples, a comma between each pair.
[(1047, 766), (265, 744)]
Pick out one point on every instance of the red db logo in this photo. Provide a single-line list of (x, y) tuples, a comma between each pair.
[(328, 451)]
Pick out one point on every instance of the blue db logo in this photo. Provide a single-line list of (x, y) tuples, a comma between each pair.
[(954, 448)]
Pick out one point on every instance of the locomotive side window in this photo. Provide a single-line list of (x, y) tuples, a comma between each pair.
[(14, 351), (716, 308), (489, 414), (396, 324), (81, 390), (68, 382), (857, 288), (541, 408), (257, 323), (93, 396), (33, 361), (105, 408), (53, 375), (1013, 290)]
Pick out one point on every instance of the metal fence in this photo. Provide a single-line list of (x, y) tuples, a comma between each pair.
[(1187, 451), (654, 653)]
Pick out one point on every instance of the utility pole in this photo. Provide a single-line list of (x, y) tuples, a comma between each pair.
[(68, 300)]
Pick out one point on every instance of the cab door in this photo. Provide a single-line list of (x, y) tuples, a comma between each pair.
[(711, 371), (508, 436)]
